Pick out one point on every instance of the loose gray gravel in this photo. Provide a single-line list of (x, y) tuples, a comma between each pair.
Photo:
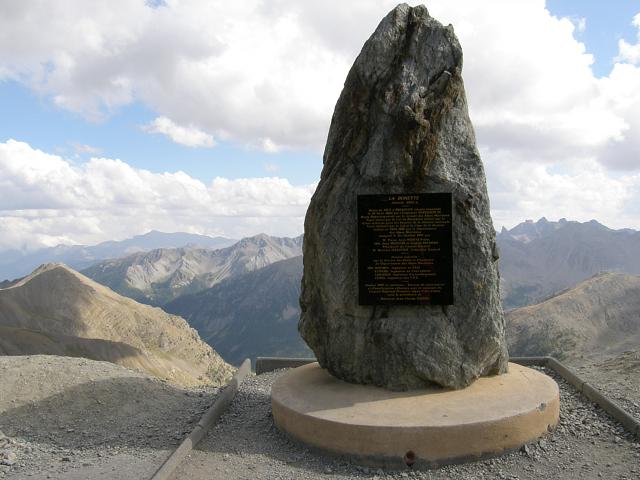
[(617, 376), (73, 418), (245, 444)]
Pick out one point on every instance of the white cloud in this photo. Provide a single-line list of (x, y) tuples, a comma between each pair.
[(81, 148), (582, 191), (46, 200), (269, 146), (629, 52), (189, 136), (267, 75)]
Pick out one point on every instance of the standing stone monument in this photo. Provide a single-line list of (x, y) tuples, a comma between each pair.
[(401, 282), (400, 294)]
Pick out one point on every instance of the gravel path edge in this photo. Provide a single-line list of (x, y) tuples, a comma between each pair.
[(206, 422)]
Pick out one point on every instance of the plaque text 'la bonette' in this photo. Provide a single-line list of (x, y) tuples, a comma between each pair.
[(404, 249)]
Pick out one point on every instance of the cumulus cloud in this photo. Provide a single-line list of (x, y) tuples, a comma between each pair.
[(630, 52), (582, 190), (267, 75), (46, 199), (189, 136)]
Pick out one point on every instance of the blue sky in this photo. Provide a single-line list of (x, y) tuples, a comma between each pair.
[(606, 23), (35, 120), (240, 99)]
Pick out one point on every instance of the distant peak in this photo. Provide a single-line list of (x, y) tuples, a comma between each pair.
[(45, 267), (261, 237)]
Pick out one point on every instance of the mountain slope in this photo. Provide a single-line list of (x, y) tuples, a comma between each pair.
[(159, 276), (539, 259), (15, 264), (56, 310), (254, 314), (600, 316)]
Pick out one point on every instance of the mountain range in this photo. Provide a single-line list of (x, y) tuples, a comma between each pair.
[(539, 259), (15, 263), (161, 275), (59, 311), (599, 316), (243, 298), (249, 315)]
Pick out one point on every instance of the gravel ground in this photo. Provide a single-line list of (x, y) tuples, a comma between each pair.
[(587, 444), (618, 376), (73, 418)]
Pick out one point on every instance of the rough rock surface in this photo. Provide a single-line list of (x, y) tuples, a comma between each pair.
[(401, 125)]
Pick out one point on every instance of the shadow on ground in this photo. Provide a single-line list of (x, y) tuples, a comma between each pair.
[(123, 411)]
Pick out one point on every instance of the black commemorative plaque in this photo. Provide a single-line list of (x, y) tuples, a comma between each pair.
[(404, 249)]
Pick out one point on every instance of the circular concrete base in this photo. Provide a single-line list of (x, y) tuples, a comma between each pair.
[(433, 427)]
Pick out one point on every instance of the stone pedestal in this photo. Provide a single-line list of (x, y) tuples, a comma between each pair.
[(429, 427)]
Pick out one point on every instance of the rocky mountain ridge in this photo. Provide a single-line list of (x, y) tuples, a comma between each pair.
[(539, 259), (15, 264), (161, 275), (249, 315), (598, 317), (57, 310)]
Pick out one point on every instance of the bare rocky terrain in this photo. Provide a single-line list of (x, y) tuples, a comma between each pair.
[(73, 418), (597, 318), (59, 311), (17, 263), (618, 376)]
